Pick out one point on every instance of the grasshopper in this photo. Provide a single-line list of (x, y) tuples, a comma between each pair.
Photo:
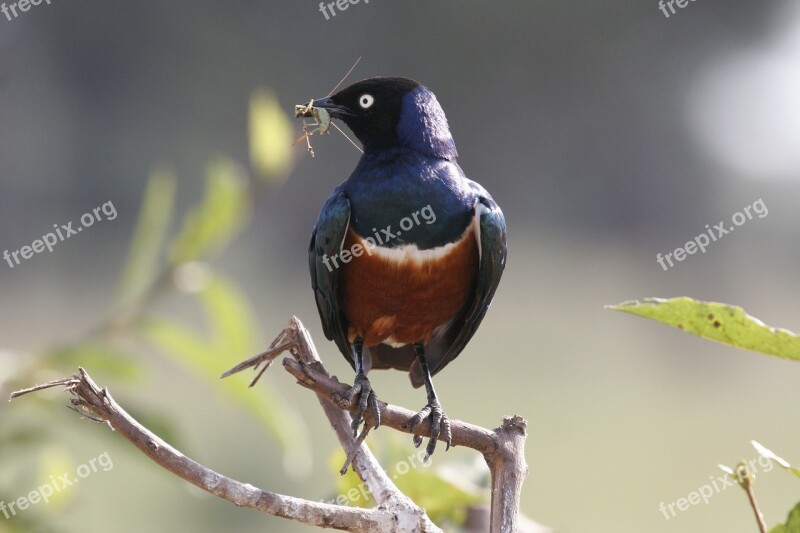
[(321, 118)]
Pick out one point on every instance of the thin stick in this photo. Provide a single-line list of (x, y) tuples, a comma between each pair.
[(345, 77), (762, 525), (346, 137), (50, 384), (746, 480)]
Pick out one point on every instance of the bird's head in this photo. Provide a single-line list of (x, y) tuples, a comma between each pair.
[(388, 113)]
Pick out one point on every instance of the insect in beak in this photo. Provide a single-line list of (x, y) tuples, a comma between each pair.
[(322, 122)]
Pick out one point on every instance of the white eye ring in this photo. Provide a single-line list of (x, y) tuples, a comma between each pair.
[(366, 101)]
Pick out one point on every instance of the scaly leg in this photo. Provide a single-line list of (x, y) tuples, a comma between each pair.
[(439, 421), (362, 389)]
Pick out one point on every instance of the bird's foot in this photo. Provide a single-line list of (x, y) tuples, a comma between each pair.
[(361, 390), (440, 425)]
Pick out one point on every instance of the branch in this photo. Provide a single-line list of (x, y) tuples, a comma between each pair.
[(296, 339), (503, 449), (89, 397), (310, 373)]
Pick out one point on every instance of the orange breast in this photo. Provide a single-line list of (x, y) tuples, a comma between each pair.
[(403, 300)]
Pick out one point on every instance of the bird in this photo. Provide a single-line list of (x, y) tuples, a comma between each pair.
[(407, 252)]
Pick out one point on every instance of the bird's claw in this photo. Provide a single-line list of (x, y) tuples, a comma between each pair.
[(440, 426), (362, 390)]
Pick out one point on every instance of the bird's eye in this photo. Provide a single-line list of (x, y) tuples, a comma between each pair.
[(366, 101)]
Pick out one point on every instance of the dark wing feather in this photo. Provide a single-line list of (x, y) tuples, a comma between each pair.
[(453, 338), (326, 241)]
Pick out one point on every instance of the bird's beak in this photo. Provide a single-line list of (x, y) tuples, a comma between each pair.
[(334, 110)]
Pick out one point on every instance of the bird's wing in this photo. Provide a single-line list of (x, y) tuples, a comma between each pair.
[(326, 242), (492, 245)]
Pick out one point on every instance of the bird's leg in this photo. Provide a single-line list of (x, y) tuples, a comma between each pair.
[(361, 389), (439, 421)]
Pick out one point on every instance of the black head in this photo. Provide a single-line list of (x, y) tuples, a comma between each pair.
[(387, 113)]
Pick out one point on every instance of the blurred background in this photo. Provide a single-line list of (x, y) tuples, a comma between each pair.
[(608, 132)]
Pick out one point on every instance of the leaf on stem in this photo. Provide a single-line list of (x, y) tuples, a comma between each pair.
[(155, 216), (270, 137), (218, 219)]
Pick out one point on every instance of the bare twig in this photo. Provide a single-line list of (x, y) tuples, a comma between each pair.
[(67, 382), (746, 480)]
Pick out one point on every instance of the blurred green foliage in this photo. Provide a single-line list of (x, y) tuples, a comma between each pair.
[(445, 501), (792, 524), (217, 220), (270, 155), (162, 261), (142, 263), (230, 332)]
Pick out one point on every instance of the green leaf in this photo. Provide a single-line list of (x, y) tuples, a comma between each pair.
[(103, 359), (199, 357), (443, 500), (56, 461), (230, 316), (181, 343), (718, 322), (154, 219), (350, 489), (426, 485), (792, 524), (21, 436), (159, 422), (218, 218), (270, 137), (772, 456)]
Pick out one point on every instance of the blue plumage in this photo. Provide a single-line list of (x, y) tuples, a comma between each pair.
[(383, 191), (423, 126)]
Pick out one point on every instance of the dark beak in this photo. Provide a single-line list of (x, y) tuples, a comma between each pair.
[(334, 110)]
